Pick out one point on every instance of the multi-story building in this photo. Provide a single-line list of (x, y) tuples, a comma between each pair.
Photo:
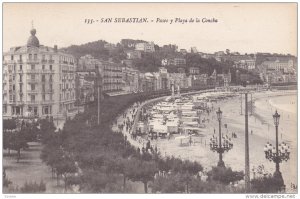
[(133, 54), (177, 61), (130, 79), (85, 88), (198, 80), (38, 81), (145, 47), (247, 64), (279, 64), (194, 70), (179, 79), (87, 63), (112, 77), (171, 48), (183, 51)]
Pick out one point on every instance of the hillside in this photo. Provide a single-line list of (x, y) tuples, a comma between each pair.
[(150, 62)]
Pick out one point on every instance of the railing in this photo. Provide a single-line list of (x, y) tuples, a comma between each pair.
[(32, 102), (51, 61), (33, 80), (32, 91), (47, 71), (47, 102), (44, 61), (49, 91), (33, 71), (32, 61), (9, 62), (20, 61)]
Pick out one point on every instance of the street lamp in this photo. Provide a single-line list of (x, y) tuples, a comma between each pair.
[(216, 143), (277, 153)]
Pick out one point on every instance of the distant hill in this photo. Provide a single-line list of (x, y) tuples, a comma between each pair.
[(97, 50), (150, 62)]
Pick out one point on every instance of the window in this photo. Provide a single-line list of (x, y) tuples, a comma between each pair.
[(35, 110), (32, 87), (32, 77), (44, 97), (14, 87), (43, 57), (50, 67), (50, 57), (14, 67), (20, 85), (32, 98), (21, 68), (43, 78), (35, 56), (51, 96), (50, 78), (11, 57), (43, 67), (50, 87), (30, 56), (21, 78), (32, 67), (43, 88), (20, 57), (4, 109)]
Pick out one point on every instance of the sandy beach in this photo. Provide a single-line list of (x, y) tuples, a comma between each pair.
[(263, 130), (260, 124)]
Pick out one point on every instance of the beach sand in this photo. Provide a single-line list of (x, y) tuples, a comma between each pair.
[(260, 123)]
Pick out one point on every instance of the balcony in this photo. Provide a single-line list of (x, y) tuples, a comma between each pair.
[(32, 102), (32, 91), (44, 61), (49, 91), (20, 71), (51, 61), (33, 71), (32, 61), (44, 102), (35, 81), (46, 71), (19, 102), (20, 61), (9, 62)]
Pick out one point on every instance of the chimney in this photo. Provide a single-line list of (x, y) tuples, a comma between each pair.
[(55, 48)]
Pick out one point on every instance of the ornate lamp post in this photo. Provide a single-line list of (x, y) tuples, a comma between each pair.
[(216, 143), (277, 153)]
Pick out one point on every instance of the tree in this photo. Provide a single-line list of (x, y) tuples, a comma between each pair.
[(143, 171), (18, 142), (168, 184), (33, 187), (266, 184), (225, 175)]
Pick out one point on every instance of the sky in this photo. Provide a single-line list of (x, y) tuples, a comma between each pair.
[(242, 27)]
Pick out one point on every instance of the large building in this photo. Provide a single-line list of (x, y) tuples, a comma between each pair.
[(112, 76), (145, 47), (177, 61), (38, 81)]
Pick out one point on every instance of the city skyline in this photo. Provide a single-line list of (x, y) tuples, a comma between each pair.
[(277, 33)]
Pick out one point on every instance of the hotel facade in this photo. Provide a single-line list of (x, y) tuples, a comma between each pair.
[(38, 81)]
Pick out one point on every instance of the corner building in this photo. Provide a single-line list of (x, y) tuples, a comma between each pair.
[(38, 81)]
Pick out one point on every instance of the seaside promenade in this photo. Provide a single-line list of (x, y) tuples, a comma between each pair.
[(261, 131)]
